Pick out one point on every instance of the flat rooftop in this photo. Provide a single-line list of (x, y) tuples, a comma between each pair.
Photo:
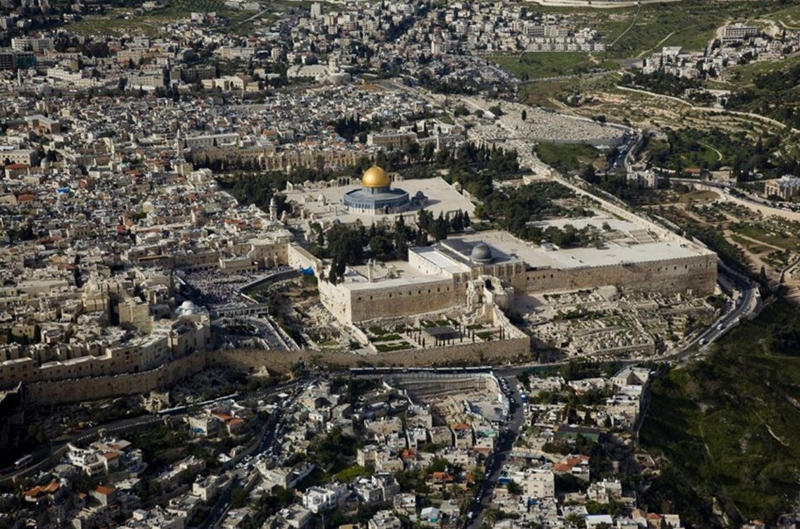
[(391, 274), (441, 260), (442, 198), (505, 245)]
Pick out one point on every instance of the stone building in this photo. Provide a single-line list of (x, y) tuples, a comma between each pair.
[(784, 187), (467, 270)]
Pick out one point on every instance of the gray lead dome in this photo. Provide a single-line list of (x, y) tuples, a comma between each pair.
[(481, 253)]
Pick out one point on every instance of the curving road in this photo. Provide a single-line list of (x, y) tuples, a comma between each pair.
[(57, 447), (746, 305)]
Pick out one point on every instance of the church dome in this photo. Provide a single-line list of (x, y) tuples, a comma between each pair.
[(481, 253), (375, 177)]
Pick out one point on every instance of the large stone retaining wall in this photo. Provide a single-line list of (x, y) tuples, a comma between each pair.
[(697, 273), (251, 360), (402, 300)]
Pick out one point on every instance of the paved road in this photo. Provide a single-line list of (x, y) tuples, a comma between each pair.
[(222, 506), (747, 304), (41, 456), (509, 433), (238, 475)]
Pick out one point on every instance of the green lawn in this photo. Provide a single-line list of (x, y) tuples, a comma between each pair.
[(728, 428), (565, 157), (546, 64), (748, 72), (789, 16)]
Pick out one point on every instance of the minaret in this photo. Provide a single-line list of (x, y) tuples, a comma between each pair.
[(178, 145), (273, 209)]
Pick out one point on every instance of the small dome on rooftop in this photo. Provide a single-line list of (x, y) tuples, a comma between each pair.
[(481, 253), (187, 308)]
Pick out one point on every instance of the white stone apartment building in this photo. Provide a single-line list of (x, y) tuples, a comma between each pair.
[(325, 498)]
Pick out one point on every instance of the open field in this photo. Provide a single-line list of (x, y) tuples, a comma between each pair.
[(746, 73), (698, 196), (543, 93), (119, 22), (789, 16), (690, 24), (549, 64), (661, 113), (566, 157), (785, 240), (182, 8)]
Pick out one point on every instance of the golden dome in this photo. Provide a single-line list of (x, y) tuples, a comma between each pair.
[(375, 177)]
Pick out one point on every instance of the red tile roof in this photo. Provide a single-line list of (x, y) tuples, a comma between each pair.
[(101, 489)]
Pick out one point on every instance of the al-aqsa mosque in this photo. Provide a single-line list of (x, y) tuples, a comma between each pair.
[(376, 195)]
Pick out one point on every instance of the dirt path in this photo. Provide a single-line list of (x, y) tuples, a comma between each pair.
[(774, 436), (760, 243), (662, 41), (633, 23), (719, 154), (753, 260), (710, 110)]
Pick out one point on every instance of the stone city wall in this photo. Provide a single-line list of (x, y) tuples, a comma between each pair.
[(299, 257), (251, 360), (350, 306), (89, 388), (282, 361)]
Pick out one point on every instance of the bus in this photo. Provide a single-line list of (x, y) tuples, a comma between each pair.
[(23, 461)]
